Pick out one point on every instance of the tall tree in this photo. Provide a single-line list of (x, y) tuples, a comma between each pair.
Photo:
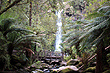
[(30, 14)]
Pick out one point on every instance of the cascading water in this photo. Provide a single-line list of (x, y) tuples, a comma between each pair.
[(58, 40)]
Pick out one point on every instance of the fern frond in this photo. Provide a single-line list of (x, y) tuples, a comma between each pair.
[(97, 28), (6, 23), (103, 9)]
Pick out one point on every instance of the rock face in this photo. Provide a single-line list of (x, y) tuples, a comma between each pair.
[(66, 69)]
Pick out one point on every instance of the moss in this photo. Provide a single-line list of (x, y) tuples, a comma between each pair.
[(53, 72), (72, 62), (90, 69), (67, 58), (40, 71), (107, 71), (68, 70)]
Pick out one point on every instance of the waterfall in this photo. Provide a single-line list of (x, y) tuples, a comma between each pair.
[(58, 40)]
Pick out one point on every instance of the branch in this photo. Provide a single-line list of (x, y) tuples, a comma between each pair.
[(14, 3), (89, 60)]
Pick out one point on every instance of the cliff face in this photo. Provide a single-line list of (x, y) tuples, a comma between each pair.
[(75, 9)]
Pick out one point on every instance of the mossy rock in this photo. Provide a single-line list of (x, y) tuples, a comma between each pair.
[(90, 69), (67, 58), (68, 70), (44, 65), (37, 65), (53, 72), (73, 62), (39, 71), (107, 71)]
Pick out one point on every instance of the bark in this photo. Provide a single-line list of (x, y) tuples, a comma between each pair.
[(30, 14), (8, 7), (77, 48), (0, 4), (10, 49), (99, 57)]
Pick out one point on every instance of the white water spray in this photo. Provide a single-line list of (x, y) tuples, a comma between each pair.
[(58, 40)]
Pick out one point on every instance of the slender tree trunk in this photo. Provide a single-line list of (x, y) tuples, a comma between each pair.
[(10, 49), (30, 14), (37, 13), (99, 57), (77, 49), (0, 4)]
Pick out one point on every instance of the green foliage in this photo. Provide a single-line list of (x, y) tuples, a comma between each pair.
[(90, 69), (67, 58), (4, 59), (15, 38)]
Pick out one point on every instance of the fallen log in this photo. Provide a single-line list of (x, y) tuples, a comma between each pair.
[(89, 60)]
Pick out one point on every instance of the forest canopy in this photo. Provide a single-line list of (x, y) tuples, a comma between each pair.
[(30, 26)]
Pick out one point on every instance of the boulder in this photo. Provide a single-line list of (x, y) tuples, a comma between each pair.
[(46, 71), (39, 71), (36, 65), (63, 63), (66, 69), (44, 65), (73, 62)]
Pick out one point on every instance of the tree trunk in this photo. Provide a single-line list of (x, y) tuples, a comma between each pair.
[(30, 13), (0, 4), (10, 49), (99, 57), (77, 49)]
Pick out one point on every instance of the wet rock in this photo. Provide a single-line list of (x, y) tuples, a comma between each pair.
[(53, 71), (50, 66), (66, 69), (44, 65), (34, 72), (63, 63), (46, 71), (37, 71)]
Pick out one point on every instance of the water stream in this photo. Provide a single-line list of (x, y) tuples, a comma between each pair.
[(58, 40)]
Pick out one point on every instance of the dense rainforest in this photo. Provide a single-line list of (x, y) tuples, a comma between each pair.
[(54, 36)]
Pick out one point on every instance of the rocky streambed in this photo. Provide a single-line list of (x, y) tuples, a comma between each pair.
[(64, 67)]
